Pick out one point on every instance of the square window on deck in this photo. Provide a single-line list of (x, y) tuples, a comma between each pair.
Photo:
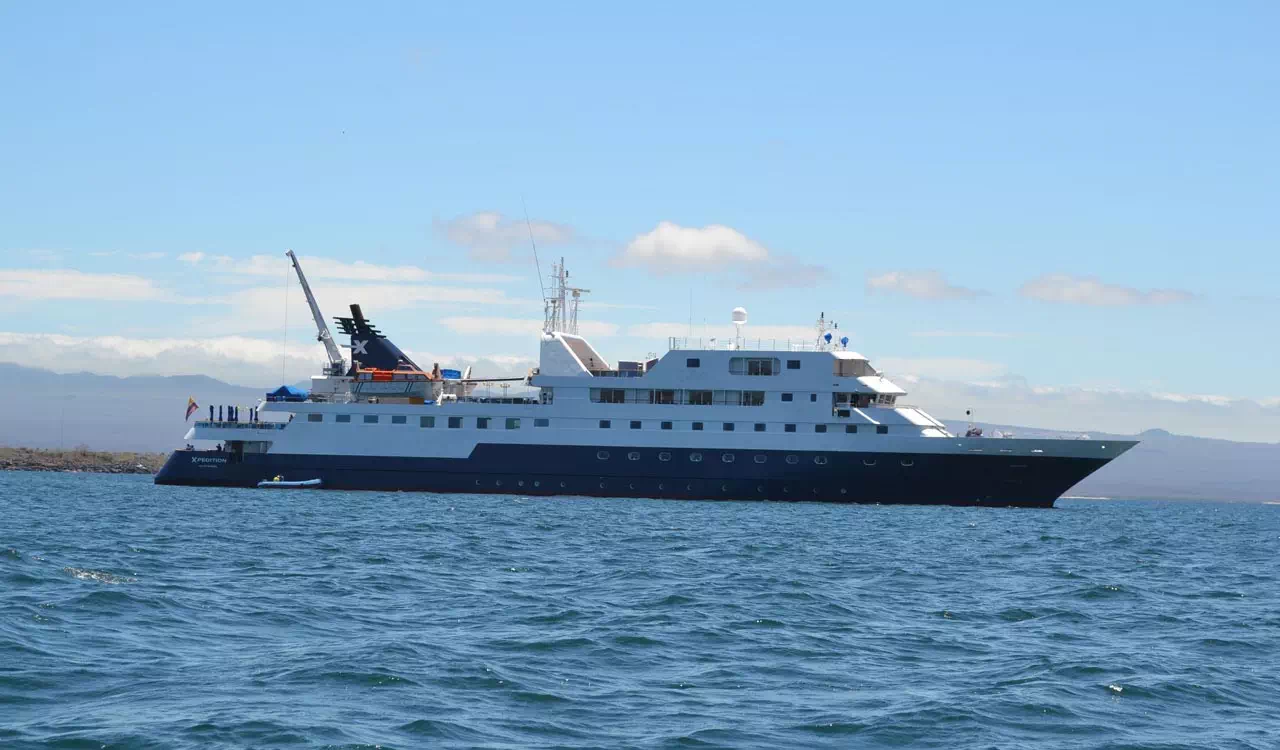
[(819, 428), (851, 428), (693, 362), (813, 397), (371, 419), (315, 417), (482, 423), (635, 424), (542, 423), (759, 426), (399, 420), (455, 422), (426, 421), (697, 426), (786, 397), (728, 426), (605, 424), (793, 364), (342, 418), (513, 423), (666, 425), (882, 429), (789, 428)]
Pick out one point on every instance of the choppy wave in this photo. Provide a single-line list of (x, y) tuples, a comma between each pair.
[(141, 616)]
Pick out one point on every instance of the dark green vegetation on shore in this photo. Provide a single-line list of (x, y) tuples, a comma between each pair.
[(80, 459)]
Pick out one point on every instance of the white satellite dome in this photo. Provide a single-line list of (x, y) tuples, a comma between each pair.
[(739, 315)]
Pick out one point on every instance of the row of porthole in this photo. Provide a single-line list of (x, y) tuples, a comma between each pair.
[(727, 458), (661, 486)]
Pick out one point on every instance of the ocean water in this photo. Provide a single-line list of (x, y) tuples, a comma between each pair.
[(136, 616)]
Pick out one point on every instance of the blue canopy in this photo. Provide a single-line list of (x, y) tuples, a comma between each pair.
[(287, 393)]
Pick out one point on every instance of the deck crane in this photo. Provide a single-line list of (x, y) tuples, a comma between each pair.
[(336, 365)]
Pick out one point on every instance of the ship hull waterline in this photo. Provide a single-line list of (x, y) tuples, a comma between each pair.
[(887, 478)]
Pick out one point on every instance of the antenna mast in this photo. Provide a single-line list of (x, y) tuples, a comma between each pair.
[(336, 365), (560, 306)]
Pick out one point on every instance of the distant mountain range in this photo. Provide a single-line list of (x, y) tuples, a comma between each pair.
[(43, 409)]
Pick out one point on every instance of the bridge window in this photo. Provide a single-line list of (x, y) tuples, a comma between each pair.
[(819, 428), (851, 428), (693, 362), (728, 426), (605, 424), (315, 417), (786, 397), (662, 397), (342, 418), (482, 423), (371, 419), (666, 425), (700, 398), (754, 366), (426, 421), (760, 426), (635, 424), (789, 428), (399, 420), (542, 423), (882, 429), (697, 427), (455, 422), (753, 398), (513, 423)]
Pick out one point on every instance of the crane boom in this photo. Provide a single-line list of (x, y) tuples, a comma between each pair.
[(336, 365)]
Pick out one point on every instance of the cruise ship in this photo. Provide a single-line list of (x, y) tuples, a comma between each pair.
[(732, 419)]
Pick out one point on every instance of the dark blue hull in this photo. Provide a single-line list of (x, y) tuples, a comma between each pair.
[(925, 479)]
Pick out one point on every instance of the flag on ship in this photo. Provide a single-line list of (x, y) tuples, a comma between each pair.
[(191, 406)]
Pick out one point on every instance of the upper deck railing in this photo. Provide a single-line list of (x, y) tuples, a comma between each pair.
[(676, 343)]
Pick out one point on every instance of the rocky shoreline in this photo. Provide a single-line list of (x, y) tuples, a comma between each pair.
[(80, 460)]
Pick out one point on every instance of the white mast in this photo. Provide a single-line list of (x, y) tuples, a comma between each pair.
[(336, 365), (560, 307)]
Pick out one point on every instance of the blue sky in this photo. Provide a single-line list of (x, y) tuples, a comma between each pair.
[(1063, 199)]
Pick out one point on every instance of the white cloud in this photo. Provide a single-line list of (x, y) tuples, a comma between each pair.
[(1090, 290), (67, 284), (528, 327), (235, 359), (919, 284), (489, 236), (671, 248), (328, 268), (147, 256), (240, 360)]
